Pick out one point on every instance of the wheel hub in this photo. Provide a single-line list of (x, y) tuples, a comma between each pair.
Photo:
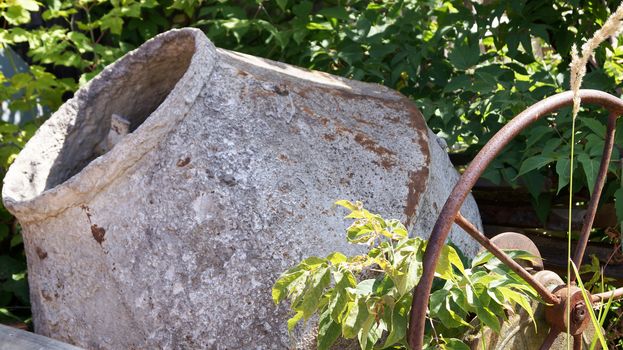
[(570, 299)]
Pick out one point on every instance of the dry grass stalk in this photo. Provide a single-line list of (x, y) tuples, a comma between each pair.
[(611, 28)]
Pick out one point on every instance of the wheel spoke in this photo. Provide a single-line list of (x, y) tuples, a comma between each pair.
[(577, 342), (549, 340), (599, 184), (498, 253), (605, 296)]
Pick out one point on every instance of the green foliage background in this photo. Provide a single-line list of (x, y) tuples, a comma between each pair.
[(470, 67)]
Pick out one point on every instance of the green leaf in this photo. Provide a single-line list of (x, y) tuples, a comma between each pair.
[(535, 181), (407, 266), (357, 314), (520, 299), (340, 296), (313, 261), (30, 5), (336, 258), (302, 9), (364, 333), (543, 206), (482, 258), (294, 320), (534, 162), (328, 330), (595, 125), (16, 15), (447, 259), (484, 82), (458, 82), (335, 12), (364, 287), (319, 26), (485, 279), (282, 4), (280, 288), (455, 259), (594, 145), (398, 229), (414, 272), (318, 281), (563, 172), (459, 296), (18, 285), (591, 168), (113, 23), (536, 134), (7, 316), (455, 344), (82, 43), (361, 232), (4, 232), (398, 324), (10, 266), (465, 54), (19, 35), (515, 254), (440, 308), (488, 318), (147, 30)]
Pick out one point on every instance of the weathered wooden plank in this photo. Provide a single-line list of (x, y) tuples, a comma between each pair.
[(16, 339)]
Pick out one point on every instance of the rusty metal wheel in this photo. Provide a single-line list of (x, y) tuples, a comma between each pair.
[(514, 240), (559, 297), (521, 332)]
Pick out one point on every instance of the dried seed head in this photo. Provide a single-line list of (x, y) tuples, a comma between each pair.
[(611, 28)]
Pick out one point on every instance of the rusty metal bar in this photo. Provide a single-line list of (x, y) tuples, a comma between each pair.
[(452, 206), (577, 341), (605, 296), (599, 185), (497, 252)]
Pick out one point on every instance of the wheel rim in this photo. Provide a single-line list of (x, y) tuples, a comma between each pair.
[(450, 213), (518, 241)]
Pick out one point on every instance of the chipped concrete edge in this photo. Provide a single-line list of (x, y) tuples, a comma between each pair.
[(102, 171)]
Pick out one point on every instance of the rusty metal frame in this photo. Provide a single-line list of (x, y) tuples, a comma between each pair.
[(450, 213)]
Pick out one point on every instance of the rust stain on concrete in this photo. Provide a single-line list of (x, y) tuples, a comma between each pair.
[(387, 157), (417, 179), (98, 233), (361, 120), (42, 254), (416, 184), (183, 162)]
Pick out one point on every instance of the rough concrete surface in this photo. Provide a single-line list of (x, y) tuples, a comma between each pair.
[(173, 238)]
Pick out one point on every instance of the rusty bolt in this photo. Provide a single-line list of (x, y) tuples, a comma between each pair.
[(579, 312), (570, 299)]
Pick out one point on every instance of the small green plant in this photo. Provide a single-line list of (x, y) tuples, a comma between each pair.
[(14, 298), (609, 316), (369, 296)]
